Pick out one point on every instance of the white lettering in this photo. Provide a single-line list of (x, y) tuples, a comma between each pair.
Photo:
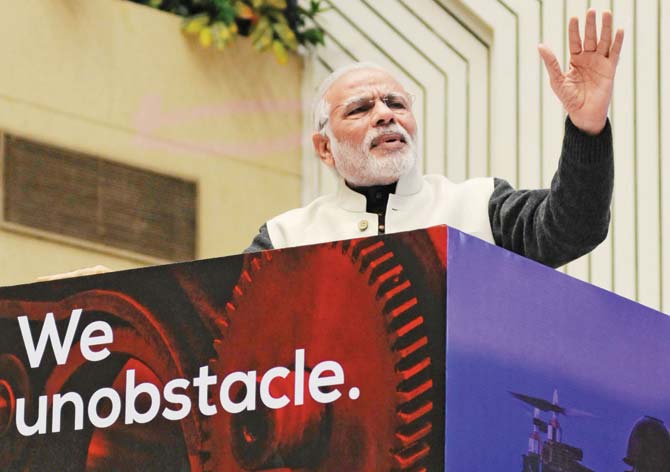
[(201, 382), (87, 340), (97, 420), (58, 402), (175, 398), (40, 425), (266, 396), (132, 392), (317, 381), (274, 387), (299, 391), (49, 332), (249, 400)]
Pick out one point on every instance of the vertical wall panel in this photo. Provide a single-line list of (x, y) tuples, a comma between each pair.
[(504, 86), (663, 53), (648, 196), (472, 49), (623, 123), (527, 15)]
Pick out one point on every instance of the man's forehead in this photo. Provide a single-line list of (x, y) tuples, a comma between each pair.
[(360, 82)]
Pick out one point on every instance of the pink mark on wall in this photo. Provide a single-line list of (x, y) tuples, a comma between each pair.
[(151, 117)]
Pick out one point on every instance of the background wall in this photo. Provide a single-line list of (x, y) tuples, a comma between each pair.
[(118, 80), (485, 107)]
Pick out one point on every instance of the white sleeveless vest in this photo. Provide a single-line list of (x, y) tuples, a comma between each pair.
[(419, 202)]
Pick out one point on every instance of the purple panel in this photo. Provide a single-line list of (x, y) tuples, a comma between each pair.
[(516, 326)]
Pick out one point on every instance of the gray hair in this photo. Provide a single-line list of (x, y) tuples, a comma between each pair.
[(320, 107)]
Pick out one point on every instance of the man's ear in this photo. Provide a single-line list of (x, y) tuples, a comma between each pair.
[(322, 147)]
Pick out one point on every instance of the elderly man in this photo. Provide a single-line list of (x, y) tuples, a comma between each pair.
[(365, 130)]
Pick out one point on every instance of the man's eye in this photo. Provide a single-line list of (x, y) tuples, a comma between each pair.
[(358, 110), (396, 104)]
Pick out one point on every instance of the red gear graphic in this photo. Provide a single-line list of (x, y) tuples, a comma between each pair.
[(349, 302), (14, 384)]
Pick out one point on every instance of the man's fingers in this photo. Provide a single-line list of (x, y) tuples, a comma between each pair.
[(590, 33), (605, 34), (616, 47), (551, 63), (574, 37)]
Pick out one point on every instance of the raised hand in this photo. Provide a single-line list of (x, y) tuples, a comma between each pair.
[(586, 88)]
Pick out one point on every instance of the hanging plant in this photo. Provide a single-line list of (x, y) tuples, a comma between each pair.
[(277, 25)]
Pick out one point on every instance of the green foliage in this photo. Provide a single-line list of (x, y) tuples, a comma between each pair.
[(226, 12), (277, 25)]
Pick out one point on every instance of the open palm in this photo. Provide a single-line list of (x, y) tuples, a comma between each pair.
[(586, 88)]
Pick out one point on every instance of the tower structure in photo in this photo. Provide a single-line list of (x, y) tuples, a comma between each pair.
[(549, 453)]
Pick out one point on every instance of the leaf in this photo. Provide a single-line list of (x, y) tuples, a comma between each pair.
[(259, 28), (221, 4), (264, 21), (278, 4), (194, 24), (287, 35), (316, 8), (205, 37), (226, 11), (279, 17), (155, 3), (219, 43), (264, 41), (314, 35), (221, 35), (180, 10), (280, 52), (244, 11)]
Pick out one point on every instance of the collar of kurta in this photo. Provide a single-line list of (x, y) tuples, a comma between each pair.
[(356, 200)]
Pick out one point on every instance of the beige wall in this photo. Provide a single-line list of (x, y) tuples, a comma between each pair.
[(118, 80)]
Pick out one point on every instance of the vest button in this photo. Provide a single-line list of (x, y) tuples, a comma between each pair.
[(363, 225)]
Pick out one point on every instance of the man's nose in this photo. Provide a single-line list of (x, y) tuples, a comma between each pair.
[(382, 114)]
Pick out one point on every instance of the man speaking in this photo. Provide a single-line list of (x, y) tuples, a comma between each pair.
[(365, 130)]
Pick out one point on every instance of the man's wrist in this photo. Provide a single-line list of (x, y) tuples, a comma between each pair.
[(582, 148), (592, 129)]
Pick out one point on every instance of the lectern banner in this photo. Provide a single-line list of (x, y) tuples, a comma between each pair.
[(547, 373), (332, 358), (326, 357)]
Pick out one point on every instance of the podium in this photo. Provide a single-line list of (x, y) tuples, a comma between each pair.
[(421, 351)]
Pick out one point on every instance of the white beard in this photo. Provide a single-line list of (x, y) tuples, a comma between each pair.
[(360, 168)]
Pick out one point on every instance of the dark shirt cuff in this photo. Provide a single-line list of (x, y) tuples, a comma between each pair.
[(587, 149)]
